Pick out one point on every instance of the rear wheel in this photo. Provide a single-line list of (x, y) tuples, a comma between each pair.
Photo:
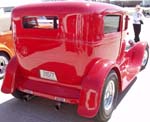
[(109, 97), (4, 59), (145, 58)]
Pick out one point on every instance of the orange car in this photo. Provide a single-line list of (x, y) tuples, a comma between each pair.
[(6, 50)]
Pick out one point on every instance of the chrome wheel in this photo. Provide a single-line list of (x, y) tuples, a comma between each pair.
[(109, 97), (3, 63), (145, 58)]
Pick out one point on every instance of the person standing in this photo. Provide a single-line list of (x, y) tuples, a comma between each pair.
[(137, 21)]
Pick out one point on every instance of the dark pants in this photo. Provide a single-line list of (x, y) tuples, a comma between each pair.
[(137, 30)]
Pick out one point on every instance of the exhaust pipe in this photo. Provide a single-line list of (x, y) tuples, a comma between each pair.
[(27, 97), (58, 105)]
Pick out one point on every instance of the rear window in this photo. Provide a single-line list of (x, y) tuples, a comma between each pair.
[(40, 22)]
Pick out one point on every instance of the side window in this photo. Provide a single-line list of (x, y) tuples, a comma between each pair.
[(111, 23), (40, 22)]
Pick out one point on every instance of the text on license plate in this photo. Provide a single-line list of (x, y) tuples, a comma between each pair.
[(48, 75)]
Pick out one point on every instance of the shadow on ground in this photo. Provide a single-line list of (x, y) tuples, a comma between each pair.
[(43, 110)]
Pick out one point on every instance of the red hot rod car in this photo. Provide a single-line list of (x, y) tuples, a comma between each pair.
[(73, 52)]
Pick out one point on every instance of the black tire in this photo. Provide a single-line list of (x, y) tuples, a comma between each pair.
[(19, 95), (108, 102), (4, 60), (145, 59)]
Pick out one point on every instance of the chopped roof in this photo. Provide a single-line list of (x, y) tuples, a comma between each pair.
[(65, 7)]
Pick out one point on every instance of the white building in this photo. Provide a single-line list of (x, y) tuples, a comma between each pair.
[(127, 2), (146, 2)]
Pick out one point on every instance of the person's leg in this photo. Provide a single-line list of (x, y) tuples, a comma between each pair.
[(137, 30)]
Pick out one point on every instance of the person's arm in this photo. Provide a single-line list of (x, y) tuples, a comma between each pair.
[(142, 16)]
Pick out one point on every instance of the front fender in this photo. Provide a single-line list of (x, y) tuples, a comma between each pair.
[(136, 54), (92, 87), (8, 85)]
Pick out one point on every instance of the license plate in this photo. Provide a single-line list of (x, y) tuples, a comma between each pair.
[(48, 75)]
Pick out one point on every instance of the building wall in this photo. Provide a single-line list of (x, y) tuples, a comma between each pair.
[(129, 3), (146, 3)]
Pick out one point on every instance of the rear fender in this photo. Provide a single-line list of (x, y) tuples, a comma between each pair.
[(92, 87), (8, 85), (4, 48)]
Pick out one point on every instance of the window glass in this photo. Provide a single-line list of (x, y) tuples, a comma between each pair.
[(111, 23), (40, 22)]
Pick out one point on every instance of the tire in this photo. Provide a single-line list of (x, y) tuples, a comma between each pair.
[(22, 96), (145, 58), (4, 60), (18, 94), (109, 97)]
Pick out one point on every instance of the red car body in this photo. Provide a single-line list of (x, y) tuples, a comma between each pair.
[(68, 57)]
